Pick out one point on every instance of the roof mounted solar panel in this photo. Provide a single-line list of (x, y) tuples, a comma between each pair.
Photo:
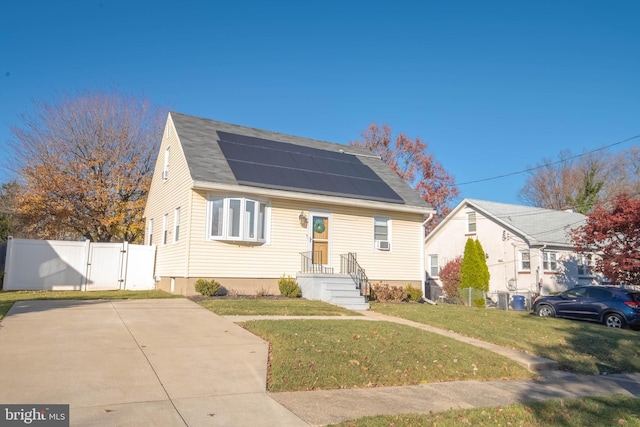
[(279, 165)]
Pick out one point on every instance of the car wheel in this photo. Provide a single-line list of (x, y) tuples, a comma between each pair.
[(546, 311), (613, 320)]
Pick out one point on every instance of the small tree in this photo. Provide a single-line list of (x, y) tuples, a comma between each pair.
[(470, 270), (450, 277), (483, 274)]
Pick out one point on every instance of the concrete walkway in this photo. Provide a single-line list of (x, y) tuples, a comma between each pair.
[(163, 362)]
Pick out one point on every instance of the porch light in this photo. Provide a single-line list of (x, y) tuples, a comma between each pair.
[(303, 219)]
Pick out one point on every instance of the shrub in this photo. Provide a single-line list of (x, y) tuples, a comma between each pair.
[(450, 277), (382, 292), (413, 294), (289, 287), (208, 288), (262, 292), (233, 293)]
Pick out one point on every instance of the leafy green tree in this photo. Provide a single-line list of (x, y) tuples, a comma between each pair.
[(483, 274), (470, 271), (587, 194), (474, 272)]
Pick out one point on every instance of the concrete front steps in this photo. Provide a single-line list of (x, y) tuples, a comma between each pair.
[(337, 289)]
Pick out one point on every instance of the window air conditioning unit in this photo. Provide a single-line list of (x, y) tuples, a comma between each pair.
[(165, 174), (383, 245)]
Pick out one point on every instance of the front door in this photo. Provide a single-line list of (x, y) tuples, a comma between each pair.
[(319, 239)]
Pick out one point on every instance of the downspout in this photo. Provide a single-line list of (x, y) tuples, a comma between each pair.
[(540, 264), (423, 269)]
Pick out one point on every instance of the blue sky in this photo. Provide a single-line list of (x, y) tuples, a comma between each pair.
[(493, 87)]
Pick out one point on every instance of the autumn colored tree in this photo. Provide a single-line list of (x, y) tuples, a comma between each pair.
[(10, 224), (84, 163), (411, 160), (614, 235), (450, 277)]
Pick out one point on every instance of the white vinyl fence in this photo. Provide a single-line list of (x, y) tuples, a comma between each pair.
[(86, 266)]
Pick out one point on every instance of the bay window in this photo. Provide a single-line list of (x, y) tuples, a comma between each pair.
[(237, 219)]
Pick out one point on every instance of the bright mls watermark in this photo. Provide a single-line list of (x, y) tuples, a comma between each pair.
[(34, 415)]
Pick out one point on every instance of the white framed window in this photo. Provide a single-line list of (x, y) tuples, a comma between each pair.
[(237, 219), (176, 225), (165, 169), (549, 261), (165, 220), (525, 260), (583, 266), (471, 222), (434, 270), (150, 231), (382, 233)]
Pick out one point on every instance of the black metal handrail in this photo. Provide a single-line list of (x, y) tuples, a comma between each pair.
[(307, 264), (349, 265)]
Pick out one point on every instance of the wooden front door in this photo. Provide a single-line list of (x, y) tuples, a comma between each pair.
[(320, 239)]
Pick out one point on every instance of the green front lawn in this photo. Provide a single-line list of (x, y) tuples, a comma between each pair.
[(614, 410), (580, 347), (7, 298), (330, 354)]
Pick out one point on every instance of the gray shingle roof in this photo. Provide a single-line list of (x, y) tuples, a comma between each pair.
[(539, 226), (199, 141)]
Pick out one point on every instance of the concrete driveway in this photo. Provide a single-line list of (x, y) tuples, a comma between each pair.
[(163, 362)]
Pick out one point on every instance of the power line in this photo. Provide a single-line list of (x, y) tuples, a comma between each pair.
[(553, 163)]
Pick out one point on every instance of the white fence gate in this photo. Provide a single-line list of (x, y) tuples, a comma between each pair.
[(63, 265)]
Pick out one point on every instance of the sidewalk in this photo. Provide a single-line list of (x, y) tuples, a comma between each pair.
[(323, 407)]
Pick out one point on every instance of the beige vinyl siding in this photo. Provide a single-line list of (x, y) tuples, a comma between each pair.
[(351, 230), (280, 255), (165, 195)]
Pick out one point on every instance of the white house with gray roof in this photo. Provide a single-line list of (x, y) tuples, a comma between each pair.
[(527, 249), (246, 206)]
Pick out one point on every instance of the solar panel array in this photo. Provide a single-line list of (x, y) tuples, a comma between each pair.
[(279, 165)]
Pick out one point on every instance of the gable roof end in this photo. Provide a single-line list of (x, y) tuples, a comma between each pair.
[(537, 226)]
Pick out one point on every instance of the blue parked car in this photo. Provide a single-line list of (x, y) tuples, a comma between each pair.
[(612, 306)]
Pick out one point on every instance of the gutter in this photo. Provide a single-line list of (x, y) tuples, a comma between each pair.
[(308, 197)]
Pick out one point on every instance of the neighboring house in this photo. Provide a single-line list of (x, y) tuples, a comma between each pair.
[(527, 248), (246, 206)]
